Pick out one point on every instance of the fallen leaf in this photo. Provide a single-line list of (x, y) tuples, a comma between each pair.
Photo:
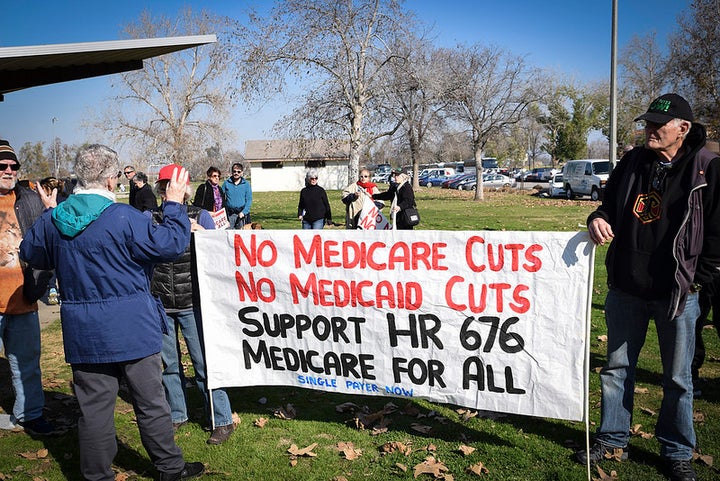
[(705, 459), (698, 417), (478, 469), (647, 411), (378, 431), (602, 338), (392, 446), (121, 477), (604, 477), (615, 454), (260, 422), (39, 454), (236, 419), (287, 412), (339, 478), (641, 390), (465, 450), (349, 451), (401, 467), (466, 414), (421, 428), (347, 407), (307, 451), (430, 466)]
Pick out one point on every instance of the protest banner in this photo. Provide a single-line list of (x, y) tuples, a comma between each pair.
[(489, 320), (371, 217)]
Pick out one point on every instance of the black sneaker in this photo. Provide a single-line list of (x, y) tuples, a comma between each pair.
[(601, 452), (191, 470), (38, 426), (681, 470)]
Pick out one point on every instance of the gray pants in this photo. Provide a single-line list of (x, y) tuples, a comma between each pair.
[(96, 388)]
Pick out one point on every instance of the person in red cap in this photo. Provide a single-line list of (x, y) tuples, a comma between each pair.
[(104, 252), (174, 285), (661, 213)]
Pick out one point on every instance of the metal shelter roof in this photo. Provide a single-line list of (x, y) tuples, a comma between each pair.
[(31, 66)]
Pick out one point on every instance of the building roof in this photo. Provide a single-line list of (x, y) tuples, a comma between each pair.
[(279, 150), (31, 66)]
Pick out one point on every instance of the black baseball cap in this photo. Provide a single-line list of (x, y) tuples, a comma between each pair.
[(667, 107)]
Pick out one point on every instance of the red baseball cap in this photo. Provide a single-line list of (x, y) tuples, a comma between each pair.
[(167, 172)]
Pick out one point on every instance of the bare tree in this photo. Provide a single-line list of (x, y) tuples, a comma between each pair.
[(176, 106), (420, 98), (695, 60), (492, 89), (338, 51), (644, 69)]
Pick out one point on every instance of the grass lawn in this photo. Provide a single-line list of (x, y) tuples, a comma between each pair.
[(272, 420)]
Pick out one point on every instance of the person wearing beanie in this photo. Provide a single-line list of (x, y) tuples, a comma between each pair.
[(661, 215), (20, 288)]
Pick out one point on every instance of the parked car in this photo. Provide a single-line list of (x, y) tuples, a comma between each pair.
[(467, 183), (586, 177), (556, 187), (434, 179), (497, 181), (381, 178), (452, 181)]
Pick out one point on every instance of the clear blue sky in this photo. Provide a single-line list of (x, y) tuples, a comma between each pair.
[(568, 36)]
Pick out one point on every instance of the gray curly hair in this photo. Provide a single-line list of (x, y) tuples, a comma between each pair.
[(94, 164)]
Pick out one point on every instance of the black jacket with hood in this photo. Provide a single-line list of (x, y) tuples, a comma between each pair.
[(666, 222)]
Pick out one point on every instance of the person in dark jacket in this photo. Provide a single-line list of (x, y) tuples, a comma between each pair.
[(402, 196), (661, 210), (112, 326), (313, 208), (210, 196), (19, 322), (173, 283), (144, 197), (129, 172)]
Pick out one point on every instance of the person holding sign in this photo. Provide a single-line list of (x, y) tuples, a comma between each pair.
[(353, 198), (313, 208), (104, 252), (661, 211), (173, 283), (402, 196)]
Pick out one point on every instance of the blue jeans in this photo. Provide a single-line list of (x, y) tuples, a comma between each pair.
[(237, 222), (627, 319), (190, 324), (316, 224), (20, 337)]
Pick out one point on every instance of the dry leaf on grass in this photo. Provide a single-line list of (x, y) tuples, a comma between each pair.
[(236, 419), (348, 450), (307, 451), (602, 338), (339, 478), (421, 428), (287, 412), (401, 467), (604, 476), (430, 466), (392, 446), (39, 454), (465, 450), (616, 454), (698, 416), (648, 411), (466, 414), (122, 476), (636, 431), (705, 459), (478, 469), (260, 422), (641, 390), (377, 431)]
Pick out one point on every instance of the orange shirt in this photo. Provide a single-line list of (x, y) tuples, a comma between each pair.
[(12, 300)]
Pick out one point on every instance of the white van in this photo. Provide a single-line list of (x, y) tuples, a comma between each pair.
[(586, 177)]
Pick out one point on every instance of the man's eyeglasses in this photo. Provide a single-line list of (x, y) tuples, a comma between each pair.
[(129, 172), (5, 165), (313, 178), (364, 176), (237, 171)]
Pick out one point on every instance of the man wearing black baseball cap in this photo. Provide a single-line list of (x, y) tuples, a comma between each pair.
[(661, 210)]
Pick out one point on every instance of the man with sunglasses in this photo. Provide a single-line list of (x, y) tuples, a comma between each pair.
[(661, 211), (238, 197), (129, 173), (19, 322)]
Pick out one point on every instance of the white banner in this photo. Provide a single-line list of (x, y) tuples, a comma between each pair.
[(489, 320), (371, 218)]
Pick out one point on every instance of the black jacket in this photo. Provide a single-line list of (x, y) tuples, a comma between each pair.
[(314, 204), (666, 222), (145, 199), (405, 200), (204, 197), (173, 282), (28, 207)]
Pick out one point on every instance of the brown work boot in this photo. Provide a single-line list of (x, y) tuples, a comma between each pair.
[(221, 434)]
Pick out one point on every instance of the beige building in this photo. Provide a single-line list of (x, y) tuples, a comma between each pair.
[(281, 165)]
